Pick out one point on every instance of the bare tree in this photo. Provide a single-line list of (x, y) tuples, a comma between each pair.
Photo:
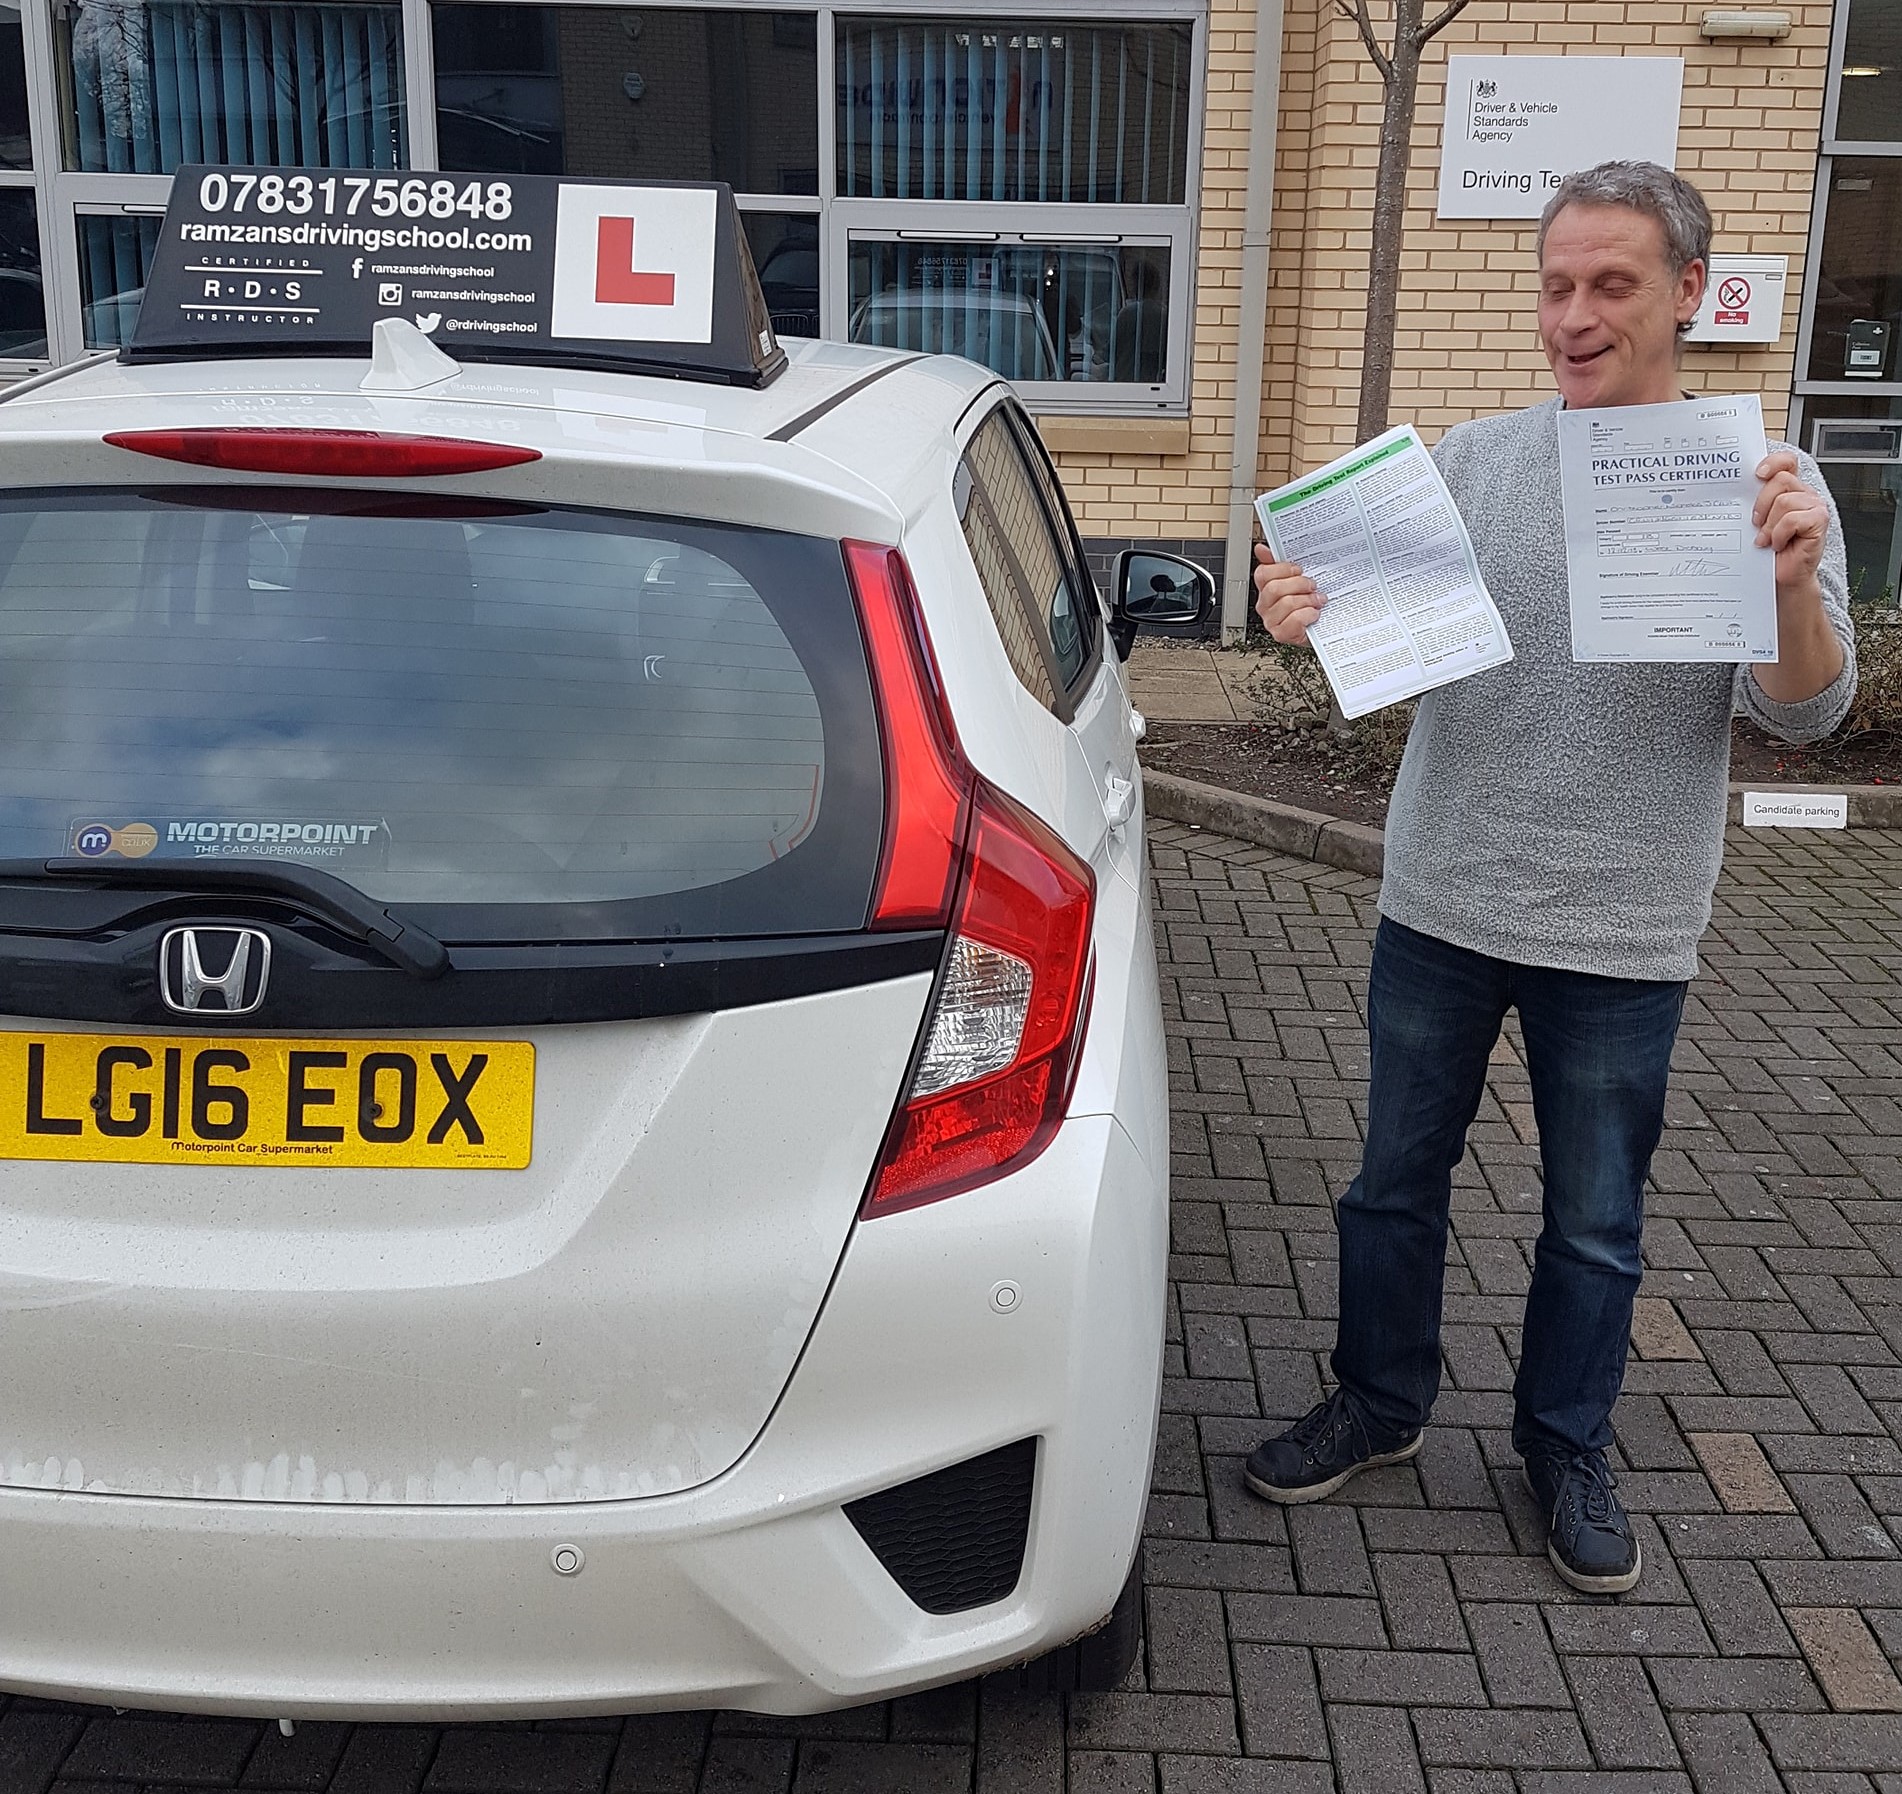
[(1399, 66)]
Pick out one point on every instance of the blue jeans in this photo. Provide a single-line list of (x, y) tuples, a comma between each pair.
[(1599, 1054)]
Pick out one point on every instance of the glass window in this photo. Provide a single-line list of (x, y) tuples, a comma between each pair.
[(114, 254), (785, 250), (22, 304), (1074, 618), (1072, 112), (650, 95), (997, 570), (1024, 564), (1030, 311), (1859, 272), (1869, 99), (153, 83), (636, 725), (1858, 442), (16, 149)]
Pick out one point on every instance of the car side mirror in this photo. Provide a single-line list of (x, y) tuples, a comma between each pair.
[(1155, 588)]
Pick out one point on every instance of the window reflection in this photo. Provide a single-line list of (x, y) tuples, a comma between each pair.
[(1002, 110), (1869, 102), (22, 304), (16, 149), (1858, 444), (1029, 311), (625, 95), (154, 83), (786, 254), (1859, 272), (114, 254)]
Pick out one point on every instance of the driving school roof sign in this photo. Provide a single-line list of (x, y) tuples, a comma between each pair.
[(644, 278)]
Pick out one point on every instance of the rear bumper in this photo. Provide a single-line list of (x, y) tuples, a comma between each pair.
[(752, 1591)]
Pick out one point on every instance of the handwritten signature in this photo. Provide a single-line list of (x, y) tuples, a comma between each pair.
[(1696, 567)]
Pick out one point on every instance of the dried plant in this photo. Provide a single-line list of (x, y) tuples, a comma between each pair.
[(1878, 706), (1289, 691)]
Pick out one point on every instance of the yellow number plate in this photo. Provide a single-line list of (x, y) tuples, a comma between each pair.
[(461, 1105)]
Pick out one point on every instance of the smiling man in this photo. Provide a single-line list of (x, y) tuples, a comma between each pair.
[(1552, 845)]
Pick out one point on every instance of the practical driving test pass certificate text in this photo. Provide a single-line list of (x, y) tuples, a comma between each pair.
[(1660, 550)]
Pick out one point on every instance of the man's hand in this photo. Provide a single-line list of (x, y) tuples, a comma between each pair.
[(1287, 601), (1794, 521)]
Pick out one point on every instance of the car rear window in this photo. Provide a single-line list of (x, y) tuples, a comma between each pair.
[(513, 722)]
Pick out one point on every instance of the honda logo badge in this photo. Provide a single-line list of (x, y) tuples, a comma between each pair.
[(214, 971)]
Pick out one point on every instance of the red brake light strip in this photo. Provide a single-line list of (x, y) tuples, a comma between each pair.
[(335, 454)]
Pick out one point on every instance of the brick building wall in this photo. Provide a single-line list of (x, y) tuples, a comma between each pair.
[(1466, 343)]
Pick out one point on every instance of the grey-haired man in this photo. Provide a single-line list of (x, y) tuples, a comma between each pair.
[(1552, 845)]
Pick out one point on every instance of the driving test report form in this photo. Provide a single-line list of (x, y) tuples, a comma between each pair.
[(1378, 533), (1660, 551)]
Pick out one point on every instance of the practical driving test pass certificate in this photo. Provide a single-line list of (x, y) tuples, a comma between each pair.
[(1660, 551), (1378, 533)]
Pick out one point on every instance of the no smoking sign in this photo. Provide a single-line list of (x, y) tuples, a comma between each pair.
[(1733, 300), (1743, 300)]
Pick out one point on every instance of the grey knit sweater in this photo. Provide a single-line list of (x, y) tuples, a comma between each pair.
[(1562, 815)]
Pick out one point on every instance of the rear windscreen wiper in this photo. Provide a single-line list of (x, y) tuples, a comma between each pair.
[(318, 894)]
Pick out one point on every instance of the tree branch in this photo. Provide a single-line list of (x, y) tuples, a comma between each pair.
[(1439, 22), (1365, 25)]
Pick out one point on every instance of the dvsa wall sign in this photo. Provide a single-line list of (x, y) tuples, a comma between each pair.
[(1518, 125)]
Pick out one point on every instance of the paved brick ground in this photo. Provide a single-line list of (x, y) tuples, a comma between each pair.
[(1412, 1638)]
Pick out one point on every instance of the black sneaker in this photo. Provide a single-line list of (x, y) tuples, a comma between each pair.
[(1591, 1544), (1319, 1453)]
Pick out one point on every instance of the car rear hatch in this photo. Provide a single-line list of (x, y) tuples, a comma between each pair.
[(551, 1224)]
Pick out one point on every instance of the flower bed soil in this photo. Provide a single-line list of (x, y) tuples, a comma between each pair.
[(1309, 769)]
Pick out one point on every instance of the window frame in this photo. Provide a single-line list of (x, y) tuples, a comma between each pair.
[(1803, 387), (1833, 93), (64, 195), (59, 258), (1039, 226), (1815, 401), (61, 195), (840, 219), (1806, 392), (806, 203)]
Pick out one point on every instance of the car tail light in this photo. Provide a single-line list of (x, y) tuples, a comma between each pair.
[(337, 454), (1006, 1027), (928, 780), (1002, 1042)]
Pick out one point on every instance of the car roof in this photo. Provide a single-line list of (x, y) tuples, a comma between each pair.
[(820, 378), (876, 424)]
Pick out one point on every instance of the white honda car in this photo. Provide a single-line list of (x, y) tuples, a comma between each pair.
[(582, 1059)]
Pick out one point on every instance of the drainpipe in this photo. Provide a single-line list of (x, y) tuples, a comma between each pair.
[(1251, 342)]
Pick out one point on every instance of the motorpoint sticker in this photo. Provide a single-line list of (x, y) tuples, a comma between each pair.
[(228, 837)]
